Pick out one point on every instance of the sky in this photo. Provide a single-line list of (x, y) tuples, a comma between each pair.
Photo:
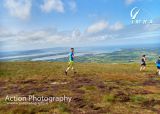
[(37, 24)]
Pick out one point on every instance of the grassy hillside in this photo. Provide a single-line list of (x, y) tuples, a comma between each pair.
[(95, 89)]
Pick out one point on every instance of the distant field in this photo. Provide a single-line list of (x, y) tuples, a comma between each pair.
[(96, 88), (121, 56)]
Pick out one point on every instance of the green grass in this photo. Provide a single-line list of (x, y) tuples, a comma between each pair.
[(138, 98), (109, 98), (97, 87), (88, 88)]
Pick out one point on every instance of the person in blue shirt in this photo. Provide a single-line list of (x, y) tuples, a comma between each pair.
[(71, 62), (158, 66)]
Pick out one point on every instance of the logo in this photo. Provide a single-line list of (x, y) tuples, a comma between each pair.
[(139, 16)]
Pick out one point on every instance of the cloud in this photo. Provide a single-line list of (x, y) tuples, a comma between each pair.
[(152, 27), (117, 26), (72, 4), (44, 38), (97, 27), (104, 25), (50, 5), (36, 39), (76, 33), (128, 2), (19, 8), (4, 33)]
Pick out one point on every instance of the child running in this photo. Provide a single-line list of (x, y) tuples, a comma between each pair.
[(71, 62), (143, 63), (158, 66)]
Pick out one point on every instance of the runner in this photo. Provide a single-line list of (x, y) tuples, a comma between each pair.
[(158, 66), (143, 63), (71, 62)]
